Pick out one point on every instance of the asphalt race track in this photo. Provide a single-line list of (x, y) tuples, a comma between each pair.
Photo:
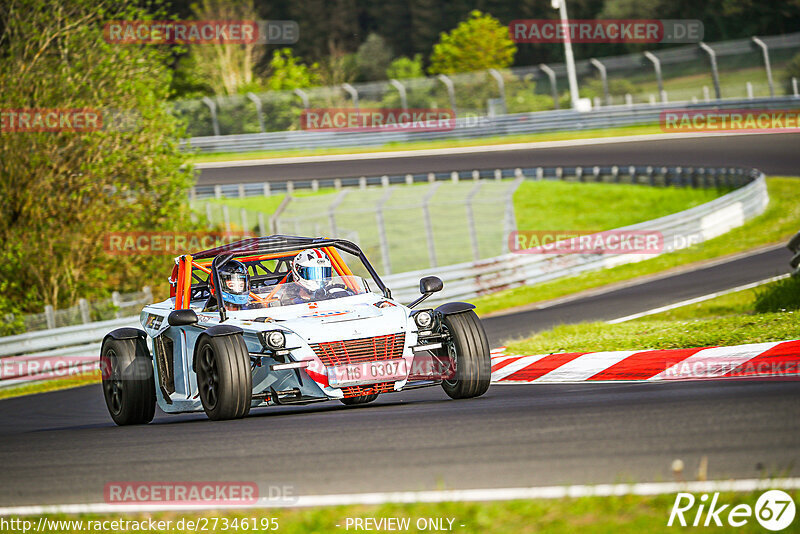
[(62, 447), (774, 154)]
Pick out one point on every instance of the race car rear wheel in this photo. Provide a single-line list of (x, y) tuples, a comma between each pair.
[(223, 377), (128, 384), (361, 399), (469, 348)]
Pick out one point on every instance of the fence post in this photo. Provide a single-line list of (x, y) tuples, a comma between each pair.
[(473, 233), (83, 305), (382, 240), (212, 107), (767, 66), (226, 217), (451, 92), (262, 228), (553, 87), (402, 90), (749, 87), (243, 216), (303, 97), (274, 220), (428, 223), (712, 57), (657, 67), (148, 294), (706, 94), (794, 87), (509, 221), (501, 87), (208, 215), (332, 211), (603, 77), (257, 101), (629, 100), (352, 92), (50, 316), (117, 301)]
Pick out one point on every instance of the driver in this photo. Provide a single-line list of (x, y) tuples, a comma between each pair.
[(311, 272), (235, 282)]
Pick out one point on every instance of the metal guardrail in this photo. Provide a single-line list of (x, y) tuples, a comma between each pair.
[(521, 123), (794, 246), (76, 346)]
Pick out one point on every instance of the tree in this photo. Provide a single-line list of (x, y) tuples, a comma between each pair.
[(373, 58), (226, 68), (404, 67), (62, 192), (287, 72), (478, 43)]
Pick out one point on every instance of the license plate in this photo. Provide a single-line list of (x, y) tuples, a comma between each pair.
[(355, 374)]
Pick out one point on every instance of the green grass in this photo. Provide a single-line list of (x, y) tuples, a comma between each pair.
[(50, 385), (617, 515), (780, 220), (726, 320), (419, 145)]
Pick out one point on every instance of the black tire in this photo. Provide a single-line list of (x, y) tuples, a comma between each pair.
[(470, 349), (361, 399), (223, 377), (128, 383)]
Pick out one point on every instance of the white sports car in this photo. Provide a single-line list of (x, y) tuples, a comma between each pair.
[(282, 340)]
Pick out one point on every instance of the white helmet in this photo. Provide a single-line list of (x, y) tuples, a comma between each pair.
[(311, 268)]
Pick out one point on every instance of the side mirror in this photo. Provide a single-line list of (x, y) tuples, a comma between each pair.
[(182, 317), (430, 284)]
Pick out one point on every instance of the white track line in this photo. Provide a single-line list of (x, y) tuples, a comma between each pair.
[(470, 495), (697, 299), (466, 149)]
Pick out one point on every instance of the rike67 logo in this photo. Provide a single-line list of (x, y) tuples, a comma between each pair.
[(774, 510)]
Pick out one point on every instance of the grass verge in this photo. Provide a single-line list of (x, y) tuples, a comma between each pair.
[(731, 319), (780, 220), (419, 145), (618, 514)]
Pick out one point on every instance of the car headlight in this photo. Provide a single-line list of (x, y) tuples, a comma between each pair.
[(424, 319), (274, 339)]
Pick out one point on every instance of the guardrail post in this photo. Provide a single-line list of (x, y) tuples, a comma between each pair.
[(352, 92), (615, 173), (315, 185), (473, 232), (212, 107), (337, 184), (429, 224), (454, 177), (383, 242), (402, 90), (362, 182), (218, 192), (257, 101), (240, 190), (451, 92), (385, 180), (83, 305), (50, 316), (579, 173), (498, 174), (553, 87), (267, 190), (632, 173), (431, 177), (767, 67), (657, 67), (476, 175), (409, 179), (650, 176), (289, 188), (539, 173), (559, 173), (501, 87), (603, 77), (712, 57)]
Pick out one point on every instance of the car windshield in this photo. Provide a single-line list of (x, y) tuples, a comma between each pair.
[(289, 293)]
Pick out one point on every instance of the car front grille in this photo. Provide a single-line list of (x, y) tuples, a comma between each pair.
[(368, 349), (357, 391)]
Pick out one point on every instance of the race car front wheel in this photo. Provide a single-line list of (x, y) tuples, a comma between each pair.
[(469, 348), (128, 384), (223, 377)]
